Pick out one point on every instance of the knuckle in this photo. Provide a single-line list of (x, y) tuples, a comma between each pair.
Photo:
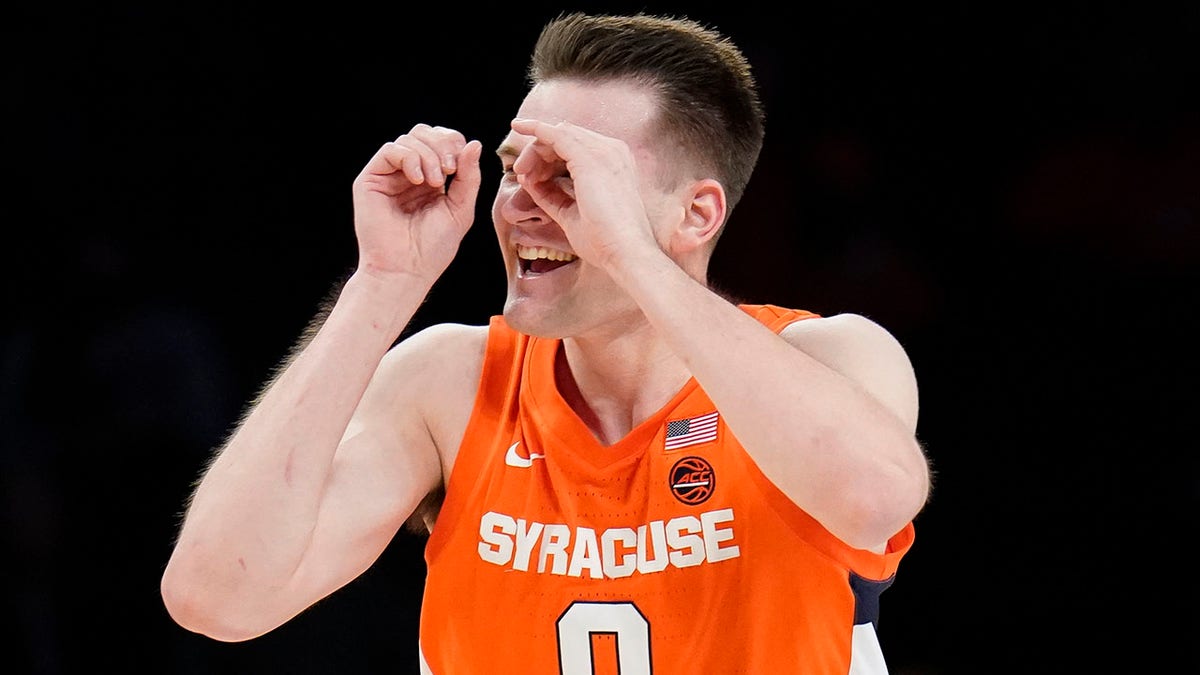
[(452, 136)]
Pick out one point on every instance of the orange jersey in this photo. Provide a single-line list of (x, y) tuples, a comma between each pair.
[(667, 552)]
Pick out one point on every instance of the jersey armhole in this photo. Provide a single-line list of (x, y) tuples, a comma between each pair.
[(500, 367), (866, 564), (777, 318), (869, 565)]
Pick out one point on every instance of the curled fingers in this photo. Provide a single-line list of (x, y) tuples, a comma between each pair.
[(423, 155)]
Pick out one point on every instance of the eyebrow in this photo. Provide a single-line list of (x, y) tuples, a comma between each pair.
[(506, 150)]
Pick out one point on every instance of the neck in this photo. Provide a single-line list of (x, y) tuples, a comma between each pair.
[(616, 381)]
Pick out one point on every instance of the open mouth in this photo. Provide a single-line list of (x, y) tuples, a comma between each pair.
[(536, 260)]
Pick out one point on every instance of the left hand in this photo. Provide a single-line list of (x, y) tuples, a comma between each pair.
[(589, 184)]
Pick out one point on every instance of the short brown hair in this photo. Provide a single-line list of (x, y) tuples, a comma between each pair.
[(710, 107)]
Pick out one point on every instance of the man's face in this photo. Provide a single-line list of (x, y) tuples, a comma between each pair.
[(547, 297)]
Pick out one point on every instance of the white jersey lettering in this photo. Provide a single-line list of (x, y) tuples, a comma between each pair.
[(713, 536), (496, 530), (682, 542), (586, 554), (658, 541), (554, 545), (687, 547), (527, 536)]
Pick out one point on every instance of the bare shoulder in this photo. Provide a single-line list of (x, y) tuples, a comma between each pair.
[(848, 331), (438, 344), (436, 360), (865, 352), (436, 371)]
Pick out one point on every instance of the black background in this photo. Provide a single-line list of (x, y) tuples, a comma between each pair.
[(1013, 190)]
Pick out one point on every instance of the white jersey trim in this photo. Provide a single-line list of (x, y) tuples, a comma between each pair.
[(866, 656), (425, 670)]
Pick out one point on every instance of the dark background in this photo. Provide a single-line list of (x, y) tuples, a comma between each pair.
[(1013, 190)]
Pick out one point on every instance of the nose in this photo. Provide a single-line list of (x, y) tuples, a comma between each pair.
[(516, 206)]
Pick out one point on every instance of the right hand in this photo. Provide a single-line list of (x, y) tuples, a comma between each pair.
[(405, 219)]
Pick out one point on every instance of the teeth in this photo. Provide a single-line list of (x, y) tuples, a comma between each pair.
[(535, 252)]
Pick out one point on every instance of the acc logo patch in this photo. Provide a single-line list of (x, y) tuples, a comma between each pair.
[(692, 480)]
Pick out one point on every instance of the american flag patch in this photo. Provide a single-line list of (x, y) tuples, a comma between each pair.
[(691, 431)]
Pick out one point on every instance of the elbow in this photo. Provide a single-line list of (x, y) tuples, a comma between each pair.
[(884, 504), (915, 482), (872, 522), (195, 608), (911, 495)]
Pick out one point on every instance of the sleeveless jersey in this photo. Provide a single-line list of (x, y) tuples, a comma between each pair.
[(667, 552)]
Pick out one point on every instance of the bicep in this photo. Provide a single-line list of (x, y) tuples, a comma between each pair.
[(386, 463), (865, 353)]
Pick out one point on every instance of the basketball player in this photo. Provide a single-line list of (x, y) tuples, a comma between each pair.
[(638, 475)]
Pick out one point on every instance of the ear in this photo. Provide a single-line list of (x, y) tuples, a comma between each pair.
[(703, 215)]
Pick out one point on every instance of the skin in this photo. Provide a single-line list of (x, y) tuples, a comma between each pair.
[(342, 446)]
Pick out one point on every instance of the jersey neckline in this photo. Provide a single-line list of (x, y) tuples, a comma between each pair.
[(573, 435)]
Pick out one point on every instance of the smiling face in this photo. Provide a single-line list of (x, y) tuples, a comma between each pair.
[(551, 292)]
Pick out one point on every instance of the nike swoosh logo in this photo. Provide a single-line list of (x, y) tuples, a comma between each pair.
[(511, 458)]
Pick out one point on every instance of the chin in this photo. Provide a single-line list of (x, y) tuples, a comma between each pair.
[(524, 316)]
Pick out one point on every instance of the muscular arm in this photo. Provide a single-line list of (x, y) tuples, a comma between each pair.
[(304, 475), (338, 450), (827, 410)]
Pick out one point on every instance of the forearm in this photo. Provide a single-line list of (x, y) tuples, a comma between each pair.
[(253, 514), (833, 448)]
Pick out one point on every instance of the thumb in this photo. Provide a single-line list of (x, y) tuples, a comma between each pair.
[(465, 187)]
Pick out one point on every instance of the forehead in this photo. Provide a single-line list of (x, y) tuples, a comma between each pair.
[(620, 109)]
